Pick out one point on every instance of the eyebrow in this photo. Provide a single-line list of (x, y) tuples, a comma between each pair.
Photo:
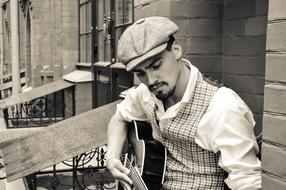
[(148, 66)]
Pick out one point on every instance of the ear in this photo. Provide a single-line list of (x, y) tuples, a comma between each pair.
[(177, 50)]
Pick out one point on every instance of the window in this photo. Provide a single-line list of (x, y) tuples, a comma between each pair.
[(85, 31), (112, 18)]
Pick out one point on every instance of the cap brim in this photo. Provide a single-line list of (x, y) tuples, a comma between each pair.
[(133, 63)]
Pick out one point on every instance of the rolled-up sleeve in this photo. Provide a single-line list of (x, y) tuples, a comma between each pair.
[(131, 107), (237, 145)]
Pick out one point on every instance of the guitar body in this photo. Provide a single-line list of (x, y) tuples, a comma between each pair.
[(150, 156)]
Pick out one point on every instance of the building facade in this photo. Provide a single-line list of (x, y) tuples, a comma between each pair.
[(48, 32)]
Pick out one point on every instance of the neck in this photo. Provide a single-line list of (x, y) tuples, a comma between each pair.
[(180, 87)]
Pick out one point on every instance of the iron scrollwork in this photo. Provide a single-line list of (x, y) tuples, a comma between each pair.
[(87, 171), (39, 112), (91, 171)]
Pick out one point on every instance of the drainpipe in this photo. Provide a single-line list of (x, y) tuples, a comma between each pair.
[(1, 44), (16, 87), (94, 51)]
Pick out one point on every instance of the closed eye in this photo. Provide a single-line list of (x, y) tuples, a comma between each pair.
[(140, 73), (157, 64)]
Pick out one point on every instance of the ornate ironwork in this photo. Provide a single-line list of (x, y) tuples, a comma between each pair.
[(85, 158), (91, 172), (101, 180), (81, 160), (39, 112), (87, 171)]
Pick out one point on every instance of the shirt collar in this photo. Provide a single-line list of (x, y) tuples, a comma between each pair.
[(191, 83)]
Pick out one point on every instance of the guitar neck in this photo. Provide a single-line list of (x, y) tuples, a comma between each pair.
[(135, 176)]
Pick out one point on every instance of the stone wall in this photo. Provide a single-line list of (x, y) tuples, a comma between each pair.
[(54, 38), (244, 44), (200, 24), (274, 118), (48, 32)]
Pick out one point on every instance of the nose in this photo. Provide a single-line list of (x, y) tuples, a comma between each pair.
[(151, 77)]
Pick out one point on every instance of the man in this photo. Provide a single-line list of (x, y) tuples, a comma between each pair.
[(206, 129)]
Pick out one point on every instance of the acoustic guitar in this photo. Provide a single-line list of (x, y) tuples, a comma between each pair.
[(146, 157)]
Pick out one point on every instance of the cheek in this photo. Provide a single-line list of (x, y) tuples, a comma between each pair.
[(174, 75), (142, 79)]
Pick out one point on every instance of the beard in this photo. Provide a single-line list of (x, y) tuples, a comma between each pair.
[(161, 94)]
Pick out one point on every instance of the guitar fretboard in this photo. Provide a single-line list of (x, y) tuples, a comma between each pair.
[(135, 177)]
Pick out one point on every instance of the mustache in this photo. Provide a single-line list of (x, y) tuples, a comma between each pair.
[(157, 84)]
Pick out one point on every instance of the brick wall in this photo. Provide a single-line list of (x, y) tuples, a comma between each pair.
[(200, 24), (244, 43), (274, 118)]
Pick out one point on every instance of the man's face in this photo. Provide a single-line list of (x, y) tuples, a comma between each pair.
[(160, 74)]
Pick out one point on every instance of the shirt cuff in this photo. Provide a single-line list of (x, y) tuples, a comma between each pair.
[(245, 180)]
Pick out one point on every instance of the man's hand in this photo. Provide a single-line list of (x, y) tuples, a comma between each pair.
[(119, 172)]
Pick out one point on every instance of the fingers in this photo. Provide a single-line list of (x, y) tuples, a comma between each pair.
[(118, 171), (121, 176), (125, 185)]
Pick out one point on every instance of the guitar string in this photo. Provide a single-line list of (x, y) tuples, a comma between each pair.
[(138, 179), (134, 177)]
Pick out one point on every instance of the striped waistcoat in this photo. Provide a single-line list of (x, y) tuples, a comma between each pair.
[(188, 165)]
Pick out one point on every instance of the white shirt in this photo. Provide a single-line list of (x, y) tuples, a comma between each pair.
[(226, 126)]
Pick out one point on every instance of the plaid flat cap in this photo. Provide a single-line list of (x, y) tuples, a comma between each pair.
[(144, 39)]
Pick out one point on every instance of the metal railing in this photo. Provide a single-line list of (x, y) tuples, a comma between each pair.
[(84, 172), (39, 112)]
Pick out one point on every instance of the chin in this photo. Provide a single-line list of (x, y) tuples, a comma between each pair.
[(163, 96)]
